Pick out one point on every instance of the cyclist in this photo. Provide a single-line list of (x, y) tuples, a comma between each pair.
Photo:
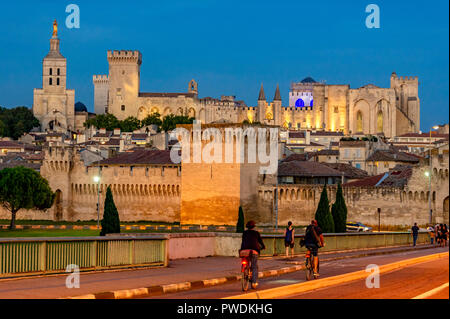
[(251, 239), (313, 241)]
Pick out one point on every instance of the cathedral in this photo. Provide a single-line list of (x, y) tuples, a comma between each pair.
[(311, 105)]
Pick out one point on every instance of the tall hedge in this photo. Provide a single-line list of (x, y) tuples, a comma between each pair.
[(323, 215), (110, 221), (339, 212)]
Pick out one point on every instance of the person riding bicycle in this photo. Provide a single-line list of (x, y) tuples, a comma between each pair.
[(313, 241), (251, 239)]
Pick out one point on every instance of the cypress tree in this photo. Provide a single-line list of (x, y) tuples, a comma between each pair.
[(339, 212), (240, 223), (110, 221), (323, 215)]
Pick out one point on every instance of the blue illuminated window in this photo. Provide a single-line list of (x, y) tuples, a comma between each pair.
[(299, 103), (311, 103)]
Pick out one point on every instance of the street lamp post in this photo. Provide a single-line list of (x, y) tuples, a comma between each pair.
[(429, 176), (97, 180), (379, 218), (276, 203)]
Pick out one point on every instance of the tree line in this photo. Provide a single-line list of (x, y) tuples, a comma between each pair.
[(131, 123), (16, 121)]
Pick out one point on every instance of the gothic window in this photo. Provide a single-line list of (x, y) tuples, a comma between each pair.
[(379, 122), (359, 122)]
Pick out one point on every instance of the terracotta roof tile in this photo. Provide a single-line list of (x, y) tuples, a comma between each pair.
[(348, 170), (305, 168), (140, 156)]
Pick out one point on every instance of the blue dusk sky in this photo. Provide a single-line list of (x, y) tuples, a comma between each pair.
[(230, 47)]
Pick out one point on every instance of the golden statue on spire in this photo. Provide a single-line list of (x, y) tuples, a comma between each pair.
[(55, 28)]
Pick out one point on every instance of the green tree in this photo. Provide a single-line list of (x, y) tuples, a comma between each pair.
[(323, 215), (170, 121), (22, 187), (339, 212), (106, 121), (130, 124), (17, 121), (240, 227), (110, 221), (152, 119)]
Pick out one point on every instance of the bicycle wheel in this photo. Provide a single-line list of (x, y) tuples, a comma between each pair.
[(245, 279)]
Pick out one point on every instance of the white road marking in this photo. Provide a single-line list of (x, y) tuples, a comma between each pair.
[(431, 292)]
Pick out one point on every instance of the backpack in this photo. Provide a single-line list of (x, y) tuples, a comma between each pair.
[(310, 230)]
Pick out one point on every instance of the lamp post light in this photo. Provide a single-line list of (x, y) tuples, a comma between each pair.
[(379, 219), (97, 180), (428, 174)]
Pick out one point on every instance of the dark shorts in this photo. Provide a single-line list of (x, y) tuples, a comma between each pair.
[(313, 248), (288, 244)]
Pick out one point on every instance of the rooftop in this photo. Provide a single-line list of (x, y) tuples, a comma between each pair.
[(386, 156), (140, 157), (306, 169)]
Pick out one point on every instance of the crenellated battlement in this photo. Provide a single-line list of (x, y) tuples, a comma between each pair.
[(99, 79), (405, 79), (125, 56), (57, 159)]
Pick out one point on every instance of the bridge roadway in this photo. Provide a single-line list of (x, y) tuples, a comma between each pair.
[(405, 283)]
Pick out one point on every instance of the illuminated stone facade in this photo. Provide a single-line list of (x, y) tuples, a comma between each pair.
[(312, 105)]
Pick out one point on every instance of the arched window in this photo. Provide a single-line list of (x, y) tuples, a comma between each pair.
[(379, 122), (359, 122), (50, 82), (311, 103), (51, 71), (57, 81), (59, 72)]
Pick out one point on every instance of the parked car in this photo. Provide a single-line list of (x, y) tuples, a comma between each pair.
[(357, 227)]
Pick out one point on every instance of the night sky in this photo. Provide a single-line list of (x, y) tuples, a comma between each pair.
[(230, 47)]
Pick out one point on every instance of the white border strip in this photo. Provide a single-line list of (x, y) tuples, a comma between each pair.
[(431, 292)]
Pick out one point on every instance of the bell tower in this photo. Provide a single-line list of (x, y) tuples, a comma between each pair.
[(53, 105)]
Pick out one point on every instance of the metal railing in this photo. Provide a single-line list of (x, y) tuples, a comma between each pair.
[(26, 256), (345, 241)]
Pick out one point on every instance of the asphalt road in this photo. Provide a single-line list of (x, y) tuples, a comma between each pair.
[(408, 282)]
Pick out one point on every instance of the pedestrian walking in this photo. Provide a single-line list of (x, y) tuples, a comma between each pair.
[(432, 233), (289, 239), (415, 233), (438, 234), (444, 234)]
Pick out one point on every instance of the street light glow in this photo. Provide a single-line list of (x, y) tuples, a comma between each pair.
[(427, 173), (96, 179), (435, 127)]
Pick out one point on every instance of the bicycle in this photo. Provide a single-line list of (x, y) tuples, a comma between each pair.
[(246, 269), (309, 265)]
